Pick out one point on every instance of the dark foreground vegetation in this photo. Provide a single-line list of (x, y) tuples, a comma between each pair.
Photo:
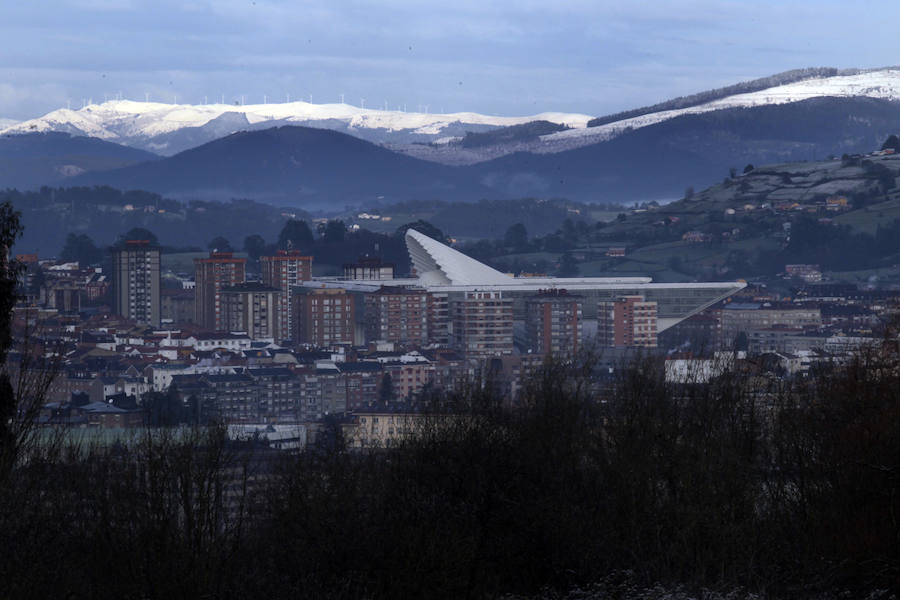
[(786, 492)]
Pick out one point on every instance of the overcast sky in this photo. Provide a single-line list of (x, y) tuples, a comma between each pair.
[(513, 58)]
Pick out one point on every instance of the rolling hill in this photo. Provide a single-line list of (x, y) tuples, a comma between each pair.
[(299, 166), (33, 160)]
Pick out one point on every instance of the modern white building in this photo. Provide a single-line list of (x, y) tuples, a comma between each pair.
[(439, 269)]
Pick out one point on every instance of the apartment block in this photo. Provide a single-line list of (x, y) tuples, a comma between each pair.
[(398, 315), (324, 317), (627, 322), (220, 270), (282, 271), (253, 308), (553, 322), (482, 324), (135, 281)]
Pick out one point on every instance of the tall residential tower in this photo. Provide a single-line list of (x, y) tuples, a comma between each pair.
[(136, 281), (212, 275)]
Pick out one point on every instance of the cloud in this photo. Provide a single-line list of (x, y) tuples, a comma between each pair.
[(591, 56)]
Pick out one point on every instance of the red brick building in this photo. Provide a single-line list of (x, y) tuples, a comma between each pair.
[(220, 270), (283, 271)]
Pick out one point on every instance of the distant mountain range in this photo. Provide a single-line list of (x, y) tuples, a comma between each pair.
[(171, 128), (649, 153)]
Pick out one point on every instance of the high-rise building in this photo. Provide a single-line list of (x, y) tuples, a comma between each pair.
[(324, 317), (399, 315), (283, 271), (628, 321), (553, 322), (220, 270), (136, 281), (482, 324), (253, 308)]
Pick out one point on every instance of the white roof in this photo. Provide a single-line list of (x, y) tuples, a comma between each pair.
[(438, 264)]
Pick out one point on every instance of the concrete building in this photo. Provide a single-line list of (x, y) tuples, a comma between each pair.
[(482, 324), (177, 306), (253, 308), (220, 270), (629, 321), (369, 268), (282, 271), (398, 315), (553, 322), (135, 281), (744, 317), (324, 317)]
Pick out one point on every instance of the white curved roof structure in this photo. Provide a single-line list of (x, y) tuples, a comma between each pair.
[(438, 264)]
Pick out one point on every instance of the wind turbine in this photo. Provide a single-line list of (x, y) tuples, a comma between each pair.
[(146, 96), (362, 102), (342, 98), (265, 99)]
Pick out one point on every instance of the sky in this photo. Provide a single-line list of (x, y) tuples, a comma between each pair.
[(516, 57)]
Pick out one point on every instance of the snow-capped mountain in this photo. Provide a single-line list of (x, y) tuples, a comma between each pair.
[(157, 127), (4, 123), (883, 84)]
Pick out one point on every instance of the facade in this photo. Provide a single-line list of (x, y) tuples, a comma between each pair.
[(177, 306), (220, 270), (482, 324), (252, 308), (283, 271), (135, 266), (398, 315), (553, 322), (369, 268), (746, 317), (627, 322), (324, 317)]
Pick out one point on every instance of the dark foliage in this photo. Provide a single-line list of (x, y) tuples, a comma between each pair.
[(784, 490), (295, 235), (81, 248), (423, 227), (219, 244), (513, 133)]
